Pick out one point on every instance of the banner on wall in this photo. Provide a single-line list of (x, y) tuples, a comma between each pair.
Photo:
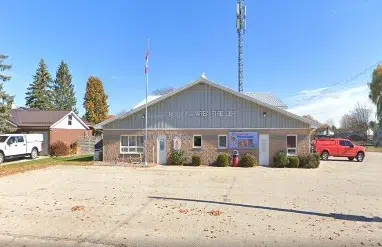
[(243, 140)]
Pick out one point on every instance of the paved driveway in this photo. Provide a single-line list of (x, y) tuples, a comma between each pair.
[(338, 204)]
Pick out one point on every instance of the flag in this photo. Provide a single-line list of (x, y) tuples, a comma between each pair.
[(147, 62)]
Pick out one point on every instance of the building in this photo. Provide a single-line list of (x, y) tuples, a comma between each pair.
[(204, 118), (65, 126)]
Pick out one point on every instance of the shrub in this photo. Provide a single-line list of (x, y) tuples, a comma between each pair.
[(248, 160), (280, 160), (293, 162), (317, 157), (59, 148), (176, 158), (222, 160), (309, 161), (196, 160), (73, 148)]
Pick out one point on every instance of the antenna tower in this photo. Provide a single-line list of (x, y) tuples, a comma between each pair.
[(241, 12)]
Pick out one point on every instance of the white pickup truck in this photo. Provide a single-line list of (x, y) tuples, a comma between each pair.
[(20, 145)]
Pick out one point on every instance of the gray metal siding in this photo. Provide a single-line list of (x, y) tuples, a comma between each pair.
[(203, 97)]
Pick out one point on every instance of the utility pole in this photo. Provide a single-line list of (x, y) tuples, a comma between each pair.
[(241, 12)]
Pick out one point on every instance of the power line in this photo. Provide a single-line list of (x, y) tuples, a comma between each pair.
[(327, 89)]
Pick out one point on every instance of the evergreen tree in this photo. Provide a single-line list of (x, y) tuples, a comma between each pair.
[(5, 99), (63, 89), (39, 93), (95, 101)]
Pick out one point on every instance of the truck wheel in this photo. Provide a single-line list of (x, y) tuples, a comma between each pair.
[(1, 157), (34, 154), (325, 155), (351, 158), (360, 156)]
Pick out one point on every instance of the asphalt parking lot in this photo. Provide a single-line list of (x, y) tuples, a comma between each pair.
[(339, 204)]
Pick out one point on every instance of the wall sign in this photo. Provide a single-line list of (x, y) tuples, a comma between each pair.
[(243, 140), (201, 114), (177, 143)]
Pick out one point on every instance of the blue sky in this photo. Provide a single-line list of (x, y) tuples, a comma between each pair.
[(291, 47)]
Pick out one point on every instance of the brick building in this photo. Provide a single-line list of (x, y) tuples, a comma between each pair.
[(65, 126), (206, 118)]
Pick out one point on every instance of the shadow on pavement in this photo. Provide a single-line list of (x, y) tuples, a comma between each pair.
[(348, 217)]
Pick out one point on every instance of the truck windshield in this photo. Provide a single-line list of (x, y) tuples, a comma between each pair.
[(3, 138)]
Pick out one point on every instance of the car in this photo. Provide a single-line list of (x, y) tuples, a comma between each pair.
[(337, 147), (20, 145)]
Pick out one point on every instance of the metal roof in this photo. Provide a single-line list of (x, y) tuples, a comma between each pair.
[(202, 80), (268, 98)]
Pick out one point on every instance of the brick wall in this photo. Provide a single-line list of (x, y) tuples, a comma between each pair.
[(209, 150), (67, 136)]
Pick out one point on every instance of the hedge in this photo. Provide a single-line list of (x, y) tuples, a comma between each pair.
[(196, 160), (293, 162), (309, 161), (280, 160), (59, 148), (176, 158), (222, 160), (248, 160)]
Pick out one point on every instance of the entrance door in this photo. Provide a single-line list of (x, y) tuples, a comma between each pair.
[(264, 150), (161, 147)]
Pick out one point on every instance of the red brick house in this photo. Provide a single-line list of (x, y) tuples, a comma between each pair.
[(65, 126)]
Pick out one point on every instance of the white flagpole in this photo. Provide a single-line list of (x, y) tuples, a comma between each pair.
[(147, 89)]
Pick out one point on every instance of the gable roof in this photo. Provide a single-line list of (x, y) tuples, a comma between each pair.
[(27, 117), (264, 97), (268, 98), (213, 84)]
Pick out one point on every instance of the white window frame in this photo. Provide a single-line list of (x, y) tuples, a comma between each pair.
[(193, 141), (129, 147), (286, 140), (70, 120), (226, 142)]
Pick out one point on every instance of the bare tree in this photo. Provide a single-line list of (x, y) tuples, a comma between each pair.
[(358, 120), (163, 91)]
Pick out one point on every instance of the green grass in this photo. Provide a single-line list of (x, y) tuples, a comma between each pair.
[(374, 149), (79, 160)]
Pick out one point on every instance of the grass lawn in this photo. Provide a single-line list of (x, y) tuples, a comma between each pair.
[(81, 160), (374, 149)]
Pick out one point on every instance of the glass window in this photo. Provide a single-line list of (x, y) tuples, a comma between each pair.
[(70, 118), (349, 143), (11, 140), (222, 141), (197, 141), (19, 139), (343, 143), (161, 145), (292, 145), (132, 144)]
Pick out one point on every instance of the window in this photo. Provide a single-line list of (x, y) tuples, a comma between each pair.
[(11, 140), (19, 139), (70, 118), (222, 139), (132, 144), (197, 141), (346, 143), (292, 145)]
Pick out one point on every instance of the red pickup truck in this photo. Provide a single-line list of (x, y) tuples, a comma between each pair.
[(339, 148)]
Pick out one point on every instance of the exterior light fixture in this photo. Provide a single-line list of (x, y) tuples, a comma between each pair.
[(264, 114)]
